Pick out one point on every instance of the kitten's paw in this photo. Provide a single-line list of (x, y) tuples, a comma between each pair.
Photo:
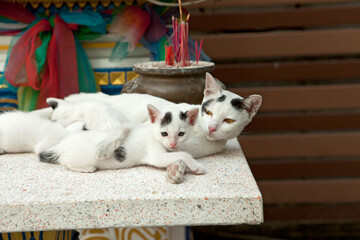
[(83, 169), (175, 172)]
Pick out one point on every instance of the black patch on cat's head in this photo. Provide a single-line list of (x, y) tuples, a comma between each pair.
[(166, 120), (221, 99), (120, 154), (205, 104), (183, 116), (237, 103), (53, 104), (48, 157)]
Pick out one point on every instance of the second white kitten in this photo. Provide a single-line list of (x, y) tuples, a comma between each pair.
[(25, 132)]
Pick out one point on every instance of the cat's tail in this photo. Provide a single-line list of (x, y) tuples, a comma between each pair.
[(48, 156)]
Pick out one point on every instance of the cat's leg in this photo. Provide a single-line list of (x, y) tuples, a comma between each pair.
[(75, 163), (43, 145), (106, 148), (175, 172), (116, 162), (165, 159), (55, 137)]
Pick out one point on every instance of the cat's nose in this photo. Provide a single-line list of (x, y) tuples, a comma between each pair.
[(172, 145), (212, 129)]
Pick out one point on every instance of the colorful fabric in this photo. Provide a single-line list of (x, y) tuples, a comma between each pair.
[(48, 61), (15, 12), (129, 24), (13, 19)]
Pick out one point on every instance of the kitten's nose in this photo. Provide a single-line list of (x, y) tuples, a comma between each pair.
[(212, 129), (172, 145)]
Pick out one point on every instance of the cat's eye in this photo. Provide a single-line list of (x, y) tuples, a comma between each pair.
[(208, 112), (181, 134), (228, 120), (164, 134)]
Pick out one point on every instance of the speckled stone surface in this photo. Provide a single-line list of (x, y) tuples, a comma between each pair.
[(41, 196)]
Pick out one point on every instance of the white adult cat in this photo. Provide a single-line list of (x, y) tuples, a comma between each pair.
[(25, 132), (127, 146), (223, 114)]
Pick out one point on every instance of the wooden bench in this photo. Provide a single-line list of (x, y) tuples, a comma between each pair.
[(303, 57)]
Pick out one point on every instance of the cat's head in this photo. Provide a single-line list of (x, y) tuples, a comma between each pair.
[(171, 128), (225, 114), (64, 112)]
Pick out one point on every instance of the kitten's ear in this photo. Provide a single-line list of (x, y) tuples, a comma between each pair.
[(154, 113), (192, 114), (253, 103), (54, 102), (211, 86)]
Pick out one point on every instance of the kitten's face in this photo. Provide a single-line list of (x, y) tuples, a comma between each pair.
[(225, 114), (172, 128)]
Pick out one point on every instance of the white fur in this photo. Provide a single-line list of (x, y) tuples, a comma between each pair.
[(25, 132), (96, 115), (143, 144), (202, 142)]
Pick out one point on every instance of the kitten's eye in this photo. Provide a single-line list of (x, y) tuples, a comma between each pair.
[(208, 112), (164, 134), (181, 134), (228, 120)]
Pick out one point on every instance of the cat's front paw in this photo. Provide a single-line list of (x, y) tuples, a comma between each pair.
[(175, 172)]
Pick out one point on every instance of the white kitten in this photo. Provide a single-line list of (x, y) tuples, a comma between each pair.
[(25, 132), (129, 145), (96, 115)]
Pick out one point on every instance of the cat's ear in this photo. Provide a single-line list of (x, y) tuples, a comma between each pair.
[(252, 103), (211, 86), (154, 113), (54, 102), (192, 114)]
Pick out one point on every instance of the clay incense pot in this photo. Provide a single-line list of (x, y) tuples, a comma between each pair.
[(176, 84)]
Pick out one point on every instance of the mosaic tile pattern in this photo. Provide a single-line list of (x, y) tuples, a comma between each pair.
[(39, 196)]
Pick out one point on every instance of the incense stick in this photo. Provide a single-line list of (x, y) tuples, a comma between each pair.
[(180, 10), (179, 51)]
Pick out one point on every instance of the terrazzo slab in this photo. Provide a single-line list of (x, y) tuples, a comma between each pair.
[(38, 196)]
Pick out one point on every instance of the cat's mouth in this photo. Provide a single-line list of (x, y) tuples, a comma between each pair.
[(211, 136), (171, 149)]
